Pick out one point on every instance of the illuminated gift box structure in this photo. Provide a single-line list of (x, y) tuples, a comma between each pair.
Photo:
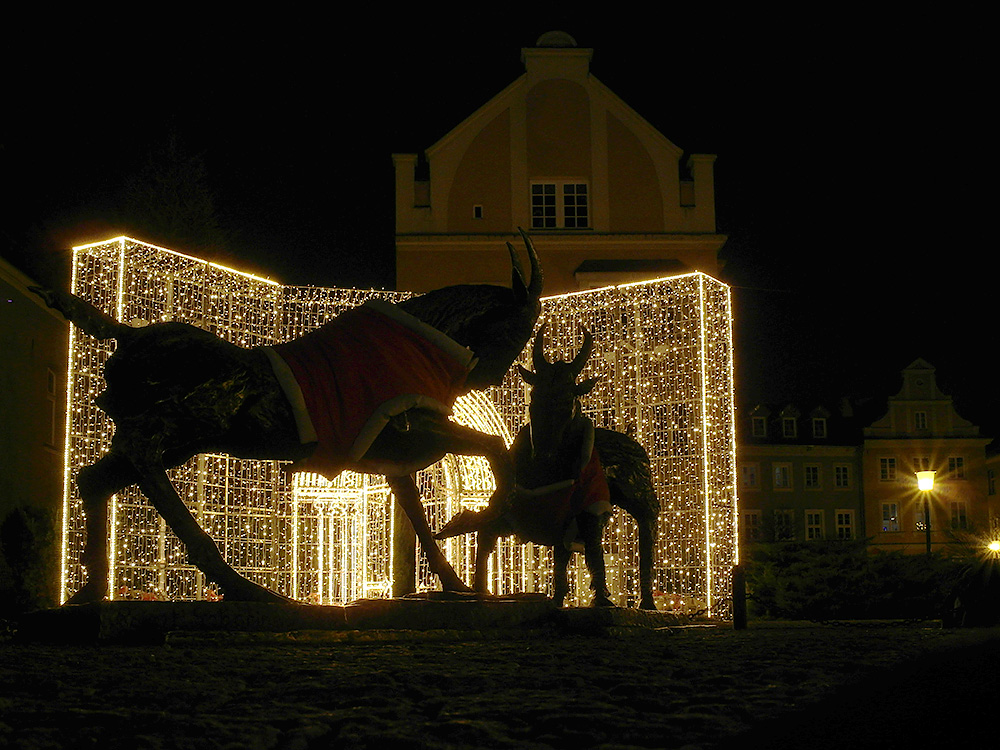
[(663, 350)]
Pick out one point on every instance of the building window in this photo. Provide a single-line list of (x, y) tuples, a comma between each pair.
[(959, 515), (887, 469), (758, 427), (477, 212), (814, 524), (890, 517), (956, 467), (819, 427), (991, 482), (784, 525), (559, 205), (788, 427), (921, 463), (812, 477), (749, 474), (920, 420), (842, 477), (782, 476), (845, 524), (752, 526)]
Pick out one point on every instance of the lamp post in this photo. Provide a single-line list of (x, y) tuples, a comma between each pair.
[(925, 483)]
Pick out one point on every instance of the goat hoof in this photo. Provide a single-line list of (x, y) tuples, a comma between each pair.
[(89, 594), (248, 591)]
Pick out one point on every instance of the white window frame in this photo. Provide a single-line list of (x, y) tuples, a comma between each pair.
[(959, 515), (753, 526), (814, 524), (890, 517), (789, 427), (758, 422), (784, 472), (956, 467), (845, 523), (559, 213), (750, 475), (842, 470), (887, 469), (819, 427), (808, 482), (784, 524), (920, 420)]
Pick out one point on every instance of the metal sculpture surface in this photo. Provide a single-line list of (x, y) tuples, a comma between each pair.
[(174, 391), (568, 474)]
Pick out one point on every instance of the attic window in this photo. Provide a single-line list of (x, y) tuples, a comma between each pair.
[(819, 427), (563, 204)]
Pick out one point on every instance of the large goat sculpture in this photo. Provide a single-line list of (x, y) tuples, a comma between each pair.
[(369, 391), (569, 474)]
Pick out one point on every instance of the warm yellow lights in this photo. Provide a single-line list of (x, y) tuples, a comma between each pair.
[(663, 350), (925, 480), (993, 546)]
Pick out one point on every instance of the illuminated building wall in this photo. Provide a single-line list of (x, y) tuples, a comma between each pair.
[(662, 349)]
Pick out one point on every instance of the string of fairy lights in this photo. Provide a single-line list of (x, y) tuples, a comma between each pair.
[(663, 351)]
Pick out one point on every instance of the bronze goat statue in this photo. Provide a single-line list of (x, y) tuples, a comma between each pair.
[(568, 475), (174, 391)]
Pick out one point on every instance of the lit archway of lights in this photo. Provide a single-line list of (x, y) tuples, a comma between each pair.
[(663, 351)]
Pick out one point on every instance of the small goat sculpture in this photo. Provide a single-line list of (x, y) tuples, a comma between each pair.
[(568, 474), (174, 390)]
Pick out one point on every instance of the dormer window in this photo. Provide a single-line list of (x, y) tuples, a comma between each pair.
[(758, 426), (788, 427), (564, 204), (819, 427), (920, 420)]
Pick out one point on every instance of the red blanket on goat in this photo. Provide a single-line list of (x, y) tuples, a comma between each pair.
[(546, 515), (346, 379)]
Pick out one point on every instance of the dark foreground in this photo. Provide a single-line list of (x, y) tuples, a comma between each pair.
[(771, 686)]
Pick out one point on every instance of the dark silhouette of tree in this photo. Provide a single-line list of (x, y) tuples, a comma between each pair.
[(168, 201)]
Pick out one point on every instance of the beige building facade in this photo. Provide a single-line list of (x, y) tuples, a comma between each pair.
[(607, 198), (922, 431), (833, 474)]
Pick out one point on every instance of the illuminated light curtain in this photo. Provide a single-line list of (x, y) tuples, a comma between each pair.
[(663, 350)]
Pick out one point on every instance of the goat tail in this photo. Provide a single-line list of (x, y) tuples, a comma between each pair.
[(81, 313)]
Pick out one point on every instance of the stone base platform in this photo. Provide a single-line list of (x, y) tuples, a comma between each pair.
[(420, 616)]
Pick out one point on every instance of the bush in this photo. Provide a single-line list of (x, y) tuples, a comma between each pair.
[(842, 580), (29, 561)]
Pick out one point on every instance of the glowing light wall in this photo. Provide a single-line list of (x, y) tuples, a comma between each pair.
[(663, 351)]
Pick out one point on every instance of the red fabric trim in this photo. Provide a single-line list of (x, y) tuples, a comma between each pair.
[(354, 364)]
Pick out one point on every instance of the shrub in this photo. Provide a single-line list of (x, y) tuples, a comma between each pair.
[(822, 580)]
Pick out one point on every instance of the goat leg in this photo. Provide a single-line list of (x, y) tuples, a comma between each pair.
[(97, 483), (647, 533), (404, 489), (592, 531), (201, 549)]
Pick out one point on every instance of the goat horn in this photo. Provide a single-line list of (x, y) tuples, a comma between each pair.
[(535, 287), (580, 360), (521, 291), (538, 360)]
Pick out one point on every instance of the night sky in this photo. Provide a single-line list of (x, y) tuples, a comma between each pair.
[(850, 177)]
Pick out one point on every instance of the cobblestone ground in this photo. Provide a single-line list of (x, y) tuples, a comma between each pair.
[(695, 687)]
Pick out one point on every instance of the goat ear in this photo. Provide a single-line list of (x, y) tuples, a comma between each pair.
[(526, 375), (586, 386)]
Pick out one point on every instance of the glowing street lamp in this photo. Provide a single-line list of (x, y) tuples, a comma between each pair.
[(925, 483)]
